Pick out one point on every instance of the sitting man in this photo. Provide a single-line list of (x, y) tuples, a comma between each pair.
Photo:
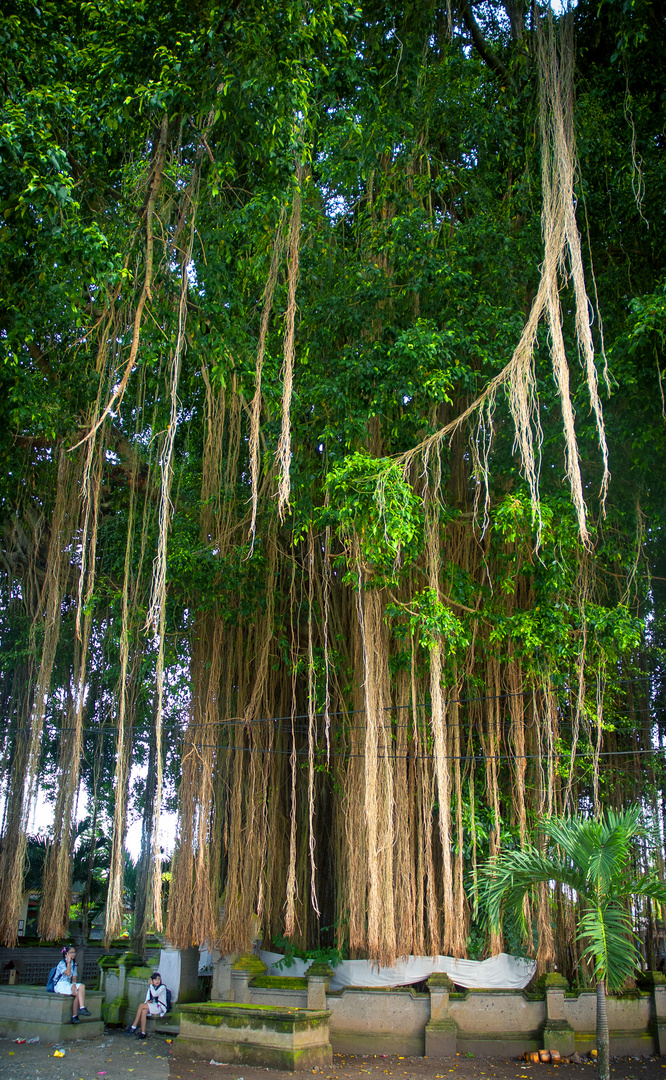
[(154, 1005)]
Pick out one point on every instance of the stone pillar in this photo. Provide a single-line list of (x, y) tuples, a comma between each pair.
[(115, 1007), (221, 986), (189, 976), (558, 1033), (127, 961), (319, 976), (655, 983), (441, 1033), (179, 969), (246, 968)]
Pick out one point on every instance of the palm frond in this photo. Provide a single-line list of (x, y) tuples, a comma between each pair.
[(644, 885), (577, 838), (610, 944), (608, 860), (506, 880), (628, 820)]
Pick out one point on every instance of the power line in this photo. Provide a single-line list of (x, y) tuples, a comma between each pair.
[(481, 758), (240, 722)]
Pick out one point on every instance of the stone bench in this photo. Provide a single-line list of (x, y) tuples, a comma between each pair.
[(169, 1024), (28, 1011), (273, 1037)]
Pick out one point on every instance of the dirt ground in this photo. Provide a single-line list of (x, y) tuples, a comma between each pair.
[(355, 1067), (118, 1057)]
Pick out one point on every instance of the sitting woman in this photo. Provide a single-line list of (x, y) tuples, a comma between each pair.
[(65, 983), (154, 1005)]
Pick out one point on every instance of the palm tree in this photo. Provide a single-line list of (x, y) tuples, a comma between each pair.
[(593, 860)]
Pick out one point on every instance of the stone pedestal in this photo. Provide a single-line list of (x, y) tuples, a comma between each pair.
[(29, 1012), (179, 969), (441, 1033), (319, 977), (189, 976), (274, 1038), (558, 1033), (114, 974), (243, 971), (221, 986)]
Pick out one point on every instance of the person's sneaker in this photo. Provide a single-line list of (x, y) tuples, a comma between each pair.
[(84, 1012), (141, 1035), (75, 1019), (129, 1030)]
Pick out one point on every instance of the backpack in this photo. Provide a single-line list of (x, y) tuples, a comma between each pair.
[(168, 998), (50, 982)]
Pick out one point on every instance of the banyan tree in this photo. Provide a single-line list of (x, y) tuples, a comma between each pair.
[(324, 328)]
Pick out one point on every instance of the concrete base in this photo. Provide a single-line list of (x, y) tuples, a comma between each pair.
[(441, 1038), (275, 1038), (658, 1029), (28, 1011), (169, 1024), (114, 1011), (622, 1043), (358, 1042), (558, 1035), (497, 1045)]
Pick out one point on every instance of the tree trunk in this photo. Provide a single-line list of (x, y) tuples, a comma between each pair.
[(143, 867), (603, 1037)]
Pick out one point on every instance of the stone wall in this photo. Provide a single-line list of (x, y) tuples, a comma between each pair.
[(443, 1022), (438, 1022)]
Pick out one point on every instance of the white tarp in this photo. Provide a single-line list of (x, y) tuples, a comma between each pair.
[(501, 972), (169, 969)]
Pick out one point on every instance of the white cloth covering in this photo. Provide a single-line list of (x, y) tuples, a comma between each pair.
[(501, 972), (169, 969)]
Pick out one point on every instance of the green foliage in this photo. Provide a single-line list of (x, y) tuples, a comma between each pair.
[(432, 621), (592, 859), (373, 503), (327, 954)]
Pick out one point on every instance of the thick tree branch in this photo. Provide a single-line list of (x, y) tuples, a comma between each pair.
[(485, 52)]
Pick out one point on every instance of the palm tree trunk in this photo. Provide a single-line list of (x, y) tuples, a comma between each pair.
[(603, 1037)]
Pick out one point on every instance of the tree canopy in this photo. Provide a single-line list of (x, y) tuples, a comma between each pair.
[(333, 454)]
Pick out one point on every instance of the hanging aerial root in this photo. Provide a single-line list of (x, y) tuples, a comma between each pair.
[(283, 453), (114, 901), (23, 795), (193, 901), (562, 248), (438, 722), (291, 886), (153, 192), (379, 794), (255, 409), (57, 881)]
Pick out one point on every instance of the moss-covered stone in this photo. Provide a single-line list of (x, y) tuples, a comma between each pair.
[(113, 1012), (131, 959), (321, 969), (288, 1060), (440, 981), (280, 982), (647, 979), (140, 973), (108, 962), (250, 964)]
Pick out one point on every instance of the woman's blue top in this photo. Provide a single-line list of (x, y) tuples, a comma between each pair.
[(61, 971)]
